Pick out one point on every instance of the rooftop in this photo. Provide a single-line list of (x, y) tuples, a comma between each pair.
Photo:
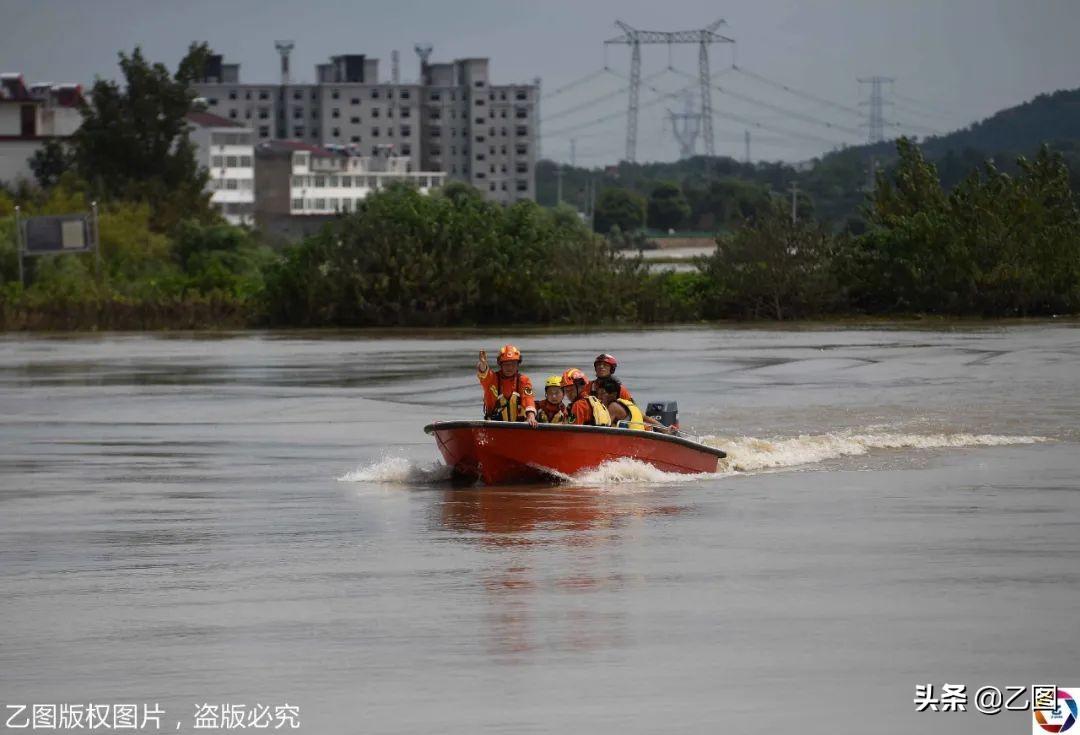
[(210, 120)]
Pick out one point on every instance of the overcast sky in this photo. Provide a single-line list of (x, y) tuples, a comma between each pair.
[(954, 61)]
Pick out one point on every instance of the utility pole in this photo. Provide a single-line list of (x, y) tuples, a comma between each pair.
[(633, 38), (794, 198), (573, 152), (746, 136), (558, 184), (592, 204), (877, 106)]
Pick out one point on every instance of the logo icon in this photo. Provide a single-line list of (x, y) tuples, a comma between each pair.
[(1059, 719)]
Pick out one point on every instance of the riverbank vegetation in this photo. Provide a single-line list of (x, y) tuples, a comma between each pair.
[(1001, 242)]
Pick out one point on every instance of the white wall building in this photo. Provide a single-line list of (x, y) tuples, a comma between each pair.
[(30, 116), (298, 179), (226, 149)]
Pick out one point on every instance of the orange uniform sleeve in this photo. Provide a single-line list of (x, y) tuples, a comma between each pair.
[(488, 380), (581, 412), (528, 400)]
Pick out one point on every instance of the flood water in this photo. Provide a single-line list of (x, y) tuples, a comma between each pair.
[(259, 518)]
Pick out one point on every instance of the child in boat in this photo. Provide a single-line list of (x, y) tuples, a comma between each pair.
[(585, 409), (605, 365), (551, 410), (624, 413)]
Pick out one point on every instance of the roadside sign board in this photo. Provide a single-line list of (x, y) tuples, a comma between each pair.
[(63, 233)]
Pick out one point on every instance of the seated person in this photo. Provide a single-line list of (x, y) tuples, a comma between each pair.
[(605, 365), (585, 409), (551, 410), (624, 413)]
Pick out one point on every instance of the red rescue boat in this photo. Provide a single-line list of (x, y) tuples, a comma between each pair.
[(500, 452)]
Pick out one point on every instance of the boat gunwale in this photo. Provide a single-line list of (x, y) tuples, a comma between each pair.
[(573, 428)]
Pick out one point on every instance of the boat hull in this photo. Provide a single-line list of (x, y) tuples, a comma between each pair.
[(502, 453)]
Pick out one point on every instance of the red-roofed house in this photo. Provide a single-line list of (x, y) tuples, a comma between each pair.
[(31, 115)]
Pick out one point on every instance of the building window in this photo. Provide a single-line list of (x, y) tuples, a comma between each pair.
[(480, 102), (335, 113), (480, 139), (297, 95), (298, 132), (314, 113), (245, 161), (522, 168), (502, 96), (436, 132), (232, 114), (298, 113), (297, 204), (481, 175), (212, 102), (230, 161), (217, 161), (374, 94), (320, 204), (346, 181), (232, 94), (521, 150), (374, 111), (521, 96), (231, 184), (334, 95), (406, 149), (479, 121), (479, 84), (374, 132), (491, 187), (354, 101), (480, 157), (264, 95), (320, 182), (405, 112), (434, 96), (354, 139), (314, 95), (406, 131), (354, 120), (403, 94), (264, 113), (521, 130), (264, 131), (335, 133), (522, 185), (436, 150), (521, 113)]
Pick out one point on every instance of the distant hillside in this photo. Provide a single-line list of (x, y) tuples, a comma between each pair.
[(719, 189)]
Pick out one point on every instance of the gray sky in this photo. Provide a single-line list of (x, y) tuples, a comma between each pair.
[(954, 61)]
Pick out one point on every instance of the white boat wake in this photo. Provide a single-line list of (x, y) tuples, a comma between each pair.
[(746, 454)]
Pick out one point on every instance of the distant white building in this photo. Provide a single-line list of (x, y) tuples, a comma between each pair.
[(30, 116), (226, 149), (298, 179)]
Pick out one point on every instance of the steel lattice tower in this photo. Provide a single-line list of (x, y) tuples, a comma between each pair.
[(877, 107), (634, 37)]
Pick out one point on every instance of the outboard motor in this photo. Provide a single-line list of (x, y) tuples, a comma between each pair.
[(666, 412)]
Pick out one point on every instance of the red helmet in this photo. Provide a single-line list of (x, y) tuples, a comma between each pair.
[(573, 376), (509, 353), (608, 359)]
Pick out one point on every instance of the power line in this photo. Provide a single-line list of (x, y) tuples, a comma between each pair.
[(576, 83), (799, 93), (583, 105), (663, 96)]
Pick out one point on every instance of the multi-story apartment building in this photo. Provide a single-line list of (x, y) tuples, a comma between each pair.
[(226, 149), (30, 115), (453, 120)]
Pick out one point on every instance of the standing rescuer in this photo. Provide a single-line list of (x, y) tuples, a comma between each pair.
[(605, 365), (551, 410), (508, 395), (585, 409)]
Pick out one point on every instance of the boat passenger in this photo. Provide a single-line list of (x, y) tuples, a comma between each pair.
[(623, 411), (605, 365), (585, 409), (508, 394), (551, 410)]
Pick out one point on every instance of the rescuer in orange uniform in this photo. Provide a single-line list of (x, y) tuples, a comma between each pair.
[(585, 409), (508, 395), (605, 365)]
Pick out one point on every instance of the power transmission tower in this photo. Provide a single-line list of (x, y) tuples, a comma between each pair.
[(634, 37), (686, 135), (877, 106)]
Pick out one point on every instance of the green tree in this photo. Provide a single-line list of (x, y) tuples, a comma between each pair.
[(668, 208), (50, 162), (134, 143), (770, 268), (619, 207)]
